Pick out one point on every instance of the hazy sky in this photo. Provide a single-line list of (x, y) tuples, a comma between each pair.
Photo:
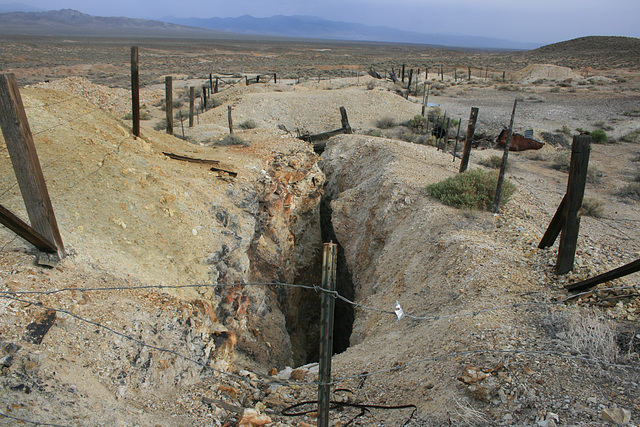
[(540, 21)]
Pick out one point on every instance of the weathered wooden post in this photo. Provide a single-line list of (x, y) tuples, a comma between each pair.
[(504, 75), (329, 258), (230, 119), (210, 83), (204, 98), (505, 157), (471, 128), (469, 78), (135, 91), (455, 147), (275, 78), (168, 103), (26, 165), (192, 101), (402, 73), (181, 122), (215, 88), (580, 150), (345, 120), (410, 79)]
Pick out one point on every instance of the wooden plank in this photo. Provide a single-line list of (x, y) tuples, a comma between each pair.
[(24, 230), (26, 165), (190, 159), (580, 150), (625, 270), (555, 226), (135, 91)]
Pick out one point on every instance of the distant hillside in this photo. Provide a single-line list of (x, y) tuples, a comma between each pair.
[(318, 28), (592, 51), (68, 22)]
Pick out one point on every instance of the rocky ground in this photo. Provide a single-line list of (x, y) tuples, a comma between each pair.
[(190, 352)]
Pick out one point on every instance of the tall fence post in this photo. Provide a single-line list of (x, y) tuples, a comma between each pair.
[(505, 157), (230, 119), (168, 107), (580, 150), (26, 165), (135, 90), (192, 101), (471, 129), (345, 120), (329, 257)]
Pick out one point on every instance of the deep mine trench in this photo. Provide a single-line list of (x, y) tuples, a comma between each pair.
[(303, 314)]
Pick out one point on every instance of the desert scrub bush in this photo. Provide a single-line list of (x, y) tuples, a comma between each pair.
[(473, 189), (633, 136), (161, 125), (248, 124), (374, 132), (386, 123), (631, 190), (593, 207), (594, 175), (584, 334), (601, 124), (634, 112), (230, 139), (417, 123), (371, 85), (144, 115), (509, 88), (556, 139), (561, 161), (493, 162), (599, 136)]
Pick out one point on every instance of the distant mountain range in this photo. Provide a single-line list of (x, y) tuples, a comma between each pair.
[(318, 28), (68, 22)]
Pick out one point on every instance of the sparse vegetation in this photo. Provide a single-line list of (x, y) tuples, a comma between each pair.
[(231, 139), (593, 207), (557, 139), (248, 124), (493, 162), (418, 123), (386, 123), (633, 136), (473, 189), (633, 112), (631, 190), (599, 136)]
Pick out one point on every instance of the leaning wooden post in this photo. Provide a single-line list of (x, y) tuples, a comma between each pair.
[(26, 165), (192, 100), (471, 128), (135, 90), (505, 157), (329, 258), (345, 121), (168, 96), (215, 88), (580, 150), (230, 119)]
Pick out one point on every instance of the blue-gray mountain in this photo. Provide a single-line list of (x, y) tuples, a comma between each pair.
[(318, 28)]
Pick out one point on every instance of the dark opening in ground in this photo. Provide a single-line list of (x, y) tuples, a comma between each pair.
[(344, 313)]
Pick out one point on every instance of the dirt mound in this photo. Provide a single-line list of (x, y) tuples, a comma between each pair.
[(551, 72)]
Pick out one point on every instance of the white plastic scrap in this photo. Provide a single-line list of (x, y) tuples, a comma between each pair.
[(398, 310)]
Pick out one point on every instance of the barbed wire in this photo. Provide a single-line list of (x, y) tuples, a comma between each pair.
[(37, 423), (51, 104), (144, 344)]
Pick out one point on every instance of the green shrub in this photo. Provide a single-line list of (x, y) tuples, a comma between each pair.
[(599, 136), (633, 136), (248, 124), (473, 189), (593, 207), (418, 123), (386, 123)]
